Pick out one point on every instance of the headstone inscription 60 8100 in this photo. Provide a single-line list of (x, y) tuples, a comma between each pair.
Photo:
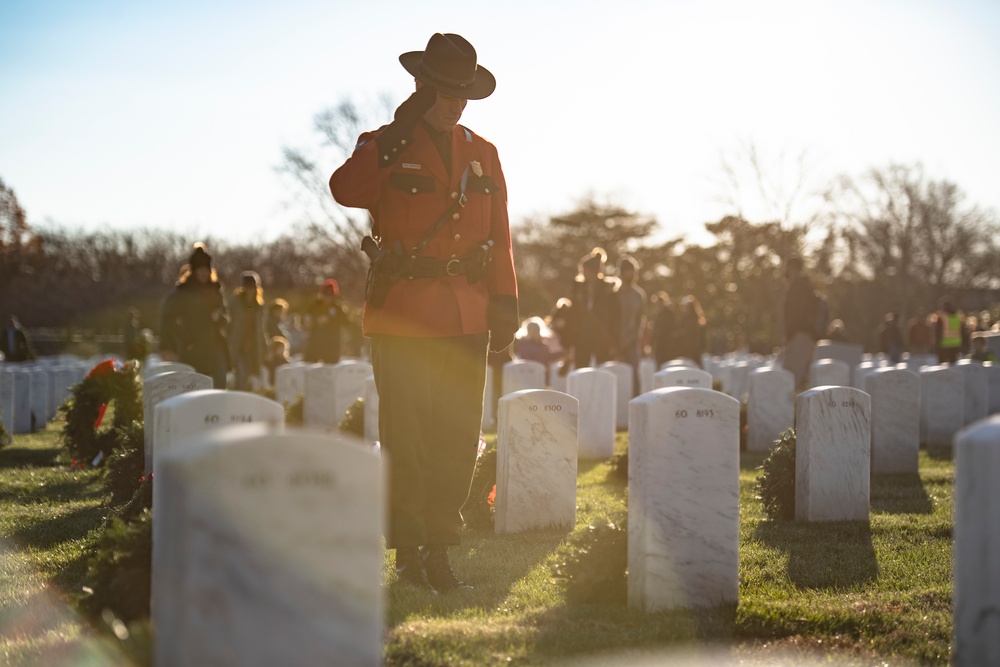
[(536, 461), (267, 551), (683, 520)]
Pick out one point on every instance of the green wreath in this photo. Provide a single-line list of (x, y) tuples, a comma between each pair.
[(86, 435)]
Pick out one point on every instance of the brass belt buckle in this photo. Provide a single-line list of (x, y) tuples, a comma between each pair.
[(452, 267)]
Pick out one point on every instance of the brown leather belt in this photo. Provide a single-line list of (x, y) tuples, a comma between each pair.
[(429, 267)]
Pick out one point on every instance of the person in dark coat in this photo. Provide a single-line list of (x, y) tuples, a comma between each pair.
[(246, 336), (328, 322), (595, 315), (890, 338), (800, 315), (194, 320), (663, 338), (691, 338), (14, 342)]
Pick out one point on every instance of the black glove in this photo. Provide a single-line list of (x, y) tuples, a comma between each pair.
[(503, 321), (391, 140)]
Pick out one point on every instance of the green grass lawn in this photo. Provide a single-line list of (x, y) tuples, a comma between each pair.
[(834, 594)]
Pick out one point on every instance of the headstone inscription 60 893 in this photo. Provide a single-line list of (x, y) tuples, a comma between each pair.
[(267, 551), (683, 520)]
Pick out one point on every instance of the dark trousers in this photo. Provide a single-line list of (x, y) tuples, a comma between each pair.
[(430, 393)]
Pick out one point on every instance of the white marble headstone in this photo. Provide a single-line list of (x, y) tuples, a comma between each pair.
[(829, 373), (267, 551), (181, 417), (895, 441), (489, 400), (371, 410), (977, 545), (977, 389), (832, 454), (647, 368), (158, 388), (557, 380), (39, 396), (522, 374), (317, 403), (349, 384), (770, 407), (682, 376), (623, 376), (536, 461), (860, 372), (849, 353), (993, 380), (7, 402), (64, 379), (683, 520), (290, 381), (149, 370), (22, 401), (595, 389), (942, 405)]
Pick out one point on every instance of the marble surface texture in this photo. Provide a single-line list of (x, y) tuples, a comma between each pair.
[(22, 401), (829, 373), (595, 389), (977, 390), (682, 376), (267, 551), (832, 455), (63, 378), (850, 353), (371, 410), (317, 402), (647, 368), (348, 384), (860, 372), (977, 545), (536, 461), (623, 394), (683, 522), (895, 440), (185, 415), (557, 382), (39, 396), (993, 380), (7, 402), (942, 405), (158, 388), (151, 369), (770, 407), (522, 374), (290, 381)]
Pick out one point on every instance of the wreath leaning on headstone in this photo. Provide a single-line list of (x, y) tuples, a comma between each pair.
[(108, 383), (776, 484)]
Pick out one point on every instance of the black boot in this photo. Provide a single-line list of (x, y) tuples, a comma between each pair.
[(410, 568), (439, 572)]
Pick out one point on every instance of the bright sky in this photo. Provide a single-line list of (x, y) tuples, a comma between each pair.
[(172, 115)]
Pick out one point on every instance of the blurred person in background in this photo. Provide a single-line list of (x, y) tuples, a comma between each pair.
[(248, 343)]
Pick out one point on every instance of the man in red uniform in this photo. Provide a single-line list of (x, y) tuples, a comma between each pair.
[(438, 203)]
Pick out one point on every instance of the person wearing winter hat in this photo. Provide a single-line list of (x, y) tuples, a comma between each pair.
[(328, 321), (194, 320), (438, 201), (247, 342)]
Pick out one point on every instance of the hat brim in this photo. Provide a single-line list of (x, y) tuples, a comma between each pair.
[(482, 87)]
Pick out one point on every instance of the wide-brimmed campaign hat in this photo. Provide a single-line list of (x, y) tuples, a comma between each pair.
[(449, 64)]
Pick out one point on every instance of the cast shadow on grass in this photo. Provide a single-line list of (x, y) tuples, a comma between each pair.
[(27, 457), (900, 494), (830, 555), (492, 564), (68, 491), (65, 527), (939, 453)]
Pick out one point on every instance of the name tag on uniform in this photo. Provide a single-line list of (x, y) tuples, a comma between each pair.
[(411, 165)]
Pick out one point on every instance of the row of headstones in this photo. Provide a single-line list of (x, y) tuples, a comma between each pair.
[(683, 523), (32, 391)]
